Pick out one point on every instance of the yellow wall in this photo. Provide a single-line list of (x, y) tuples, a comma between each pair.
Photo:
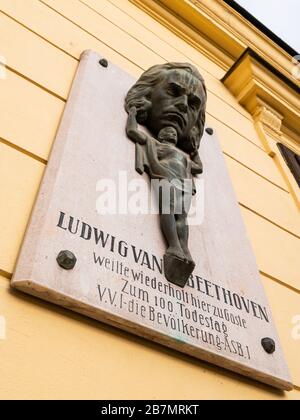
[(50, 352)]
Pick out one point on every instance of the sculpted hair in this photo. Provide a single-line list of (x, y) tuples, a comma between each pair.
[(140, 96)]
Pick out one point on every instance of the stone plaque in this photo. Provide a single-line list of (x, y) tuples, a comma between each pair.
[(108, 264)]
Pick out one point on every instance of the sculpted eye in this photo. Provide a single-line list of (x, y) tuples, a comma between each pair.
[(174, 89), (194, 102)]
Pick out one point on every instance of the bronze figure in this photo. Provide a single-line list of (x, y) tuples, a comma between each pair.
[(169, 101)]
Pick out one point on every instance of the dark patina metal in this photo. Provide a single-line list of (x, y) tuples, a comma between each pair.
[(170, 100), (209, 131), (103, 62), (66, 259), (268, 345)]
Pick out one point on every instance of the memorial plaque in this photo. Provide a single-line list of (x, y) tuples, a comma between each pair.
[(92, 247)]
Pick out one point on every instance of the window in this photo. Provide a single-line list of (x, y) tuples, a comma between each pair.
[(292, 160)]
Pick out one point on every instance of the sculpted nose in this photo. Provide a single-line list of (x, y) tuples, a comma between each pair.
[(182, 104)]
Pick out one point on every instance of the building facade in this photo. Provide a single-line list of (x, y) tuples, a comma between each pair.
[(253, 105)]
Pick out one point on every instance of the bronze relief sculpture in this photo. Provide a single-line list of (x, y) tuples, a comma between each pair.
[(169, 101)]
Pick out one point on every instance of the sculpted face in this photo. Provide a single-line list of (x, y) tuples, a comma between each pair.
[(176, 102), (168, 134)]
